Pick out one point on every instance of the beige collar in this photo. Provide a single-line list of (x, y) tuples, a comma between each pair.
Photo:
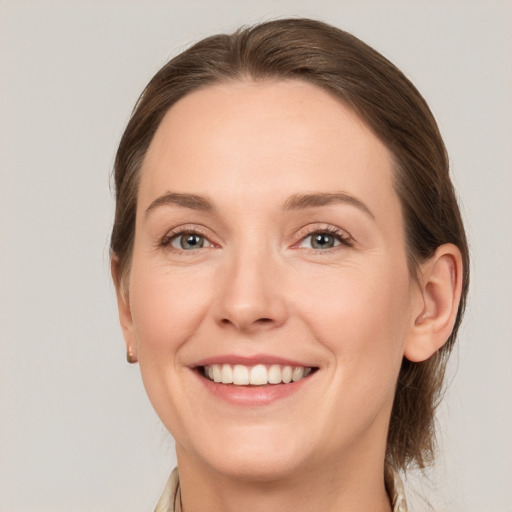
[(170, 501)]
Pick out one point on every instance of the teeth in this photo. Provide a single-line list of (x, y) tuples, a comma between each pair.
[(227, 374), (258, 375), (286, 374), (274, 374), (297, 373), (217, 375), (240, 375)]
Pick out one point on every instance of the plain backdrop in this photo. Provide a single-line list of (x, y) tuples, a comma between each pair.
[(77, 431)]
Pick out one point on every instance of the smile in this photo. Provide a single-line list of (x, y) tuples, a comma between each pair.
[(256, 375)]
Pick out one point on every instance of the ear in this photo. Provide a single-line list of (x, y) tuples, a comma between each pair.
[(440, 285), (125, 314)]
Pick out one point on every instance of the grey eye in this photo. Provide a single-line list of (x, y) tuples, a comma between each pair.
[(189, 241), (320, 241)]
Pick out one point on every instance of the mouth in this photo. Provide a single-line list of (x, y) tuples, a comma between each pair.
[(254, 375)]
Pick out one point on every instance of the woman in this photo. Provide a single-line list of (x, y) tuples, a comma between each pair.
[(291, 269)]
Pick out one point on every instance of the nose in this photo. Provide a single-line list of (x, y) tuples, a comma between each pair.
[(251, 295)]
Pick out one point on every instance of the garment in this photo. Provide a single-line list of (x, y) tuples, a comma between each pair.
[(170, 500)]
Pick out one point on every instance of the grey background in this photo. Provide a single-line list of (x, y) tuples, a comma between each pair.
[(77, 432)]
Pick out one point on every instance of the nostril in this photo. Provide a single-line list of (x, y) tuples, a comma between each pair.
[(263, 320), (259, 321)]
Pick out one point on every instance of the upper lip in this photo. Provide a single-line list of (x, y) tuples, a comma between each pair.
[(249, 360)]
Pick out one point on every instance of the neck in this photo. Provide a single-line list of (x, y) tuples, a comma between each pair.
[(355, 485)]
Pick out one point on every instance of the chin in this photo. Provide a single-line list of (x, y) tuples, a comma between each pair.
[(255, 457), (266, 468)]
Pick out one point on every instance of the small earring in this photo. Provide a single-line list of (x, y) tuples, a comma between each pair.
[(130, 356)]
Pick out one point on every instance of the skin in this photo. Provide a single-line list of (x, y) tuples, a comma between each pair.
[(258, 286)]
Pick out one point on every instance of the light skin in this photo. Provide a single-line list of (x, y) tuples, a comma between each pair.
[(299, 253)]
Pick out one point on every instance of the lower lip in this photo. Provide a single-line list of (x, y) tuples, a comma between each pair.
[(251, 395)]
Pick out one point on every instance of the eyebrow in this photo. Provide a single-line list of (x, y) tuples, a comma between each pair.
[(295, 202), (302, 201), (191, 201)]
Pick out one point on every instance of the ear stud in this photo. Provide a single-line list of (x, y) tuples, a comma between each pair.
[(131, 357)]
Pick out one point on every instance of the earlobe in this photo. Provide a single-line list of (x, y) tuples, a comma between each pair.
[(440, 282), (123, 306)]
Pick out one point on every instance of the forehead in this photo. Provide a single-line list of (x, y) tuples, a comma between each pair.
[(235, 139)]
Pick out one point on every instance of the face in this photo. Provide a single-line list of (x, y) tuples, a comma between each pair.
[(269, 299)]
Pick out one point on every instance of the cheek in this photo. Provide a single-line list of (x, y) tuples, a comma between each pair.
[(361, 315), (166, 308), (362, 318)]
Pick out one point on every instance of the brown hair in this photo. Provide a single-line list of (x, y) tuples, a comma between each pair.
[(390, 105)]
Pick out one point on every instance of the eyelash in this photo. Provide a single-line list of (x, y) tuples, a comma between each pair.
[(339, 235)]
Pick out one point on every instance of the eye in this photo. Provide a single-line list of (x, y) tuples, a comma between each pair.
[(188, 241), (325, 239), (320, 241)]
